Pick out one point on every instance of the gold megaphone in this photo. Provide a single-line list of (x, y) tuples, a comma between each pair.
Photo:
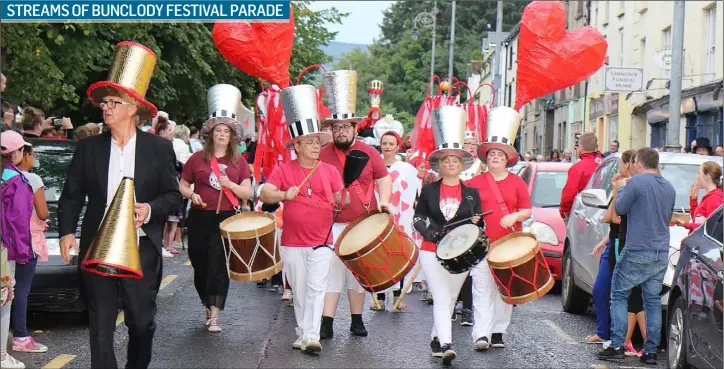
[(114, 250)]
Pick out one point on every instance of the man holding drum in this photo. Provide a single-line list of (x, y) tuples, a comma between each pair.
[(309, 190), (506, 201), (341, 90)]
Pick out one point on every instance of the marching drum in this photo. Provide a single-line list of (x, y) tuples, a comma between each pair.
[(377, 251), (462, 248), (250, 246), (519, 268)]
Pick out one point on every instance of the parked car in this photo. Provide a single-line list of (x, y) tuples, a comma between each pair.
[(515, 169), (585, 227), (545, 182), (695, 301), (56, 286)]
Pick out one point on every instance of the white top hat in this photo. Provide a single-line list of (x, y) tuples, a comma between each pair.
[(388, 123), (448, 127), (503, 123), (340, 86), (224, 108), (300, 110)]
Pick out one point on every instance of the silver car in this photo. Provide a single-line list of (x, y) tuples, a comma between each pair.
[(585, 227)]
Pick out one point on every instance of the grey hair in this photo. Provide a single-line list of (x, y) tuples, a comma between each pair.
[(182, 132)]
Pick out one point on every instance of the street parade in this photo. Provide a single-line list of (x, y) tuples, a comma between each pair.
[(458, 234)]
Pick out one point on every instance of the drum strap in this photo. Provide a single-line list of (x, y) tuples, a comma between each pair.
[(227, 191), (328, 204), (496, 192)]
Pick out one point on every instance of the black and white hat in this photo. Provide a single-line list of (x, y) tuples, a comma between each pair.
[(340, 86), (300, 110), (224, 108), (448, 127)]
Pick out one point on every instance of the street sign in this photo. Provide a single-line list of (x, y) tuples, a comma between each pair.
[(663, 59), (623, 79)]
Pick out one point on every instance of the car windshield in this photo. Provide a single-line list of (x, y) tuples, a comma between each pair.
[(681, 177), (547, 189)]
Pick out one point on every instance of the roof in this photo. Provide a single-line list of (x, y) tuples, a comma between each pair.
[(686, 93)]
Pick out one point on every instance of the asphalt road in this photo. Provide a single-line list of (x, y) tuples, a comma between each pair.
[(259, 330)]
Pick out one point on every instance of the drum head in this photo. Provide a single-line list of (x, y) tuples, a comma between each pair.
[(458, 241), (363, 233), (512, 247), (247, 224)]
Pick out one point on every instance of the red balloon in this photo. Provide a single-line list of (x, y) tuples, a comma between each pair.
[(259, 49), (549, 58)]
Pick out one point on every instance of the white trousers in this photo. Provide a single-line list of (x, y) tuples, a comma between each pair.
[(307, 270), (339, 274), (492, 314), (445, 288), (5, 316)]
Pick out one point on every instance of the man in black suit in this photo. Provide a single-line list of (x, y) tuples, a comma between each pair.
[(96, 170)]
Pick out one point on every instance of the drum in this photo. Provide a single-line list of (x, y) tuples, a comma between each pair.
[(462, 248), (377, 251), (250, 245), (519, 268)]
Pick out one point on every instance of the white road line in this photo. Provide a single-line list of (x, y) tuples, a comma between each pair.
[(563, 335), (598, 366), (59, 361)]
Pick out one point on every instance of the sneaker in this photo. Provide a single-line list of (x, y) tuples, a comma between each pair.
[(467, 318), (448, 354), (435, 348), (454, 317), (311, 346), (481, 344), (213, 325), (287, 296), (274, 288), (261, 283), (166, 254), (297, 345), (326, 331), (28, 344), (459, 307), (649, 358), (423, 295), (496, 341), (10, 362), (208, 316), (630, 350), (612, 353), (358, 329)]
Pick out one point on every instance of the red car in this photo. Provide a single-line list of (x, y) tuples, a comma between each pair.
[(545, 182)]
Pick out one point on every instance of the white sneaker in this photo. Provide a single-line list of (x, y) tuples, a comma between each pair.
[(297, 345), (10, 362), (213, 325), (311, 346), (166, 254), (287, 295)]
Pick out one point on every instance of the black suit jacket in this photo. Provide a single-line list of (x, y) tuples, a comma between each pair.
[(155, 182), (428, 208)]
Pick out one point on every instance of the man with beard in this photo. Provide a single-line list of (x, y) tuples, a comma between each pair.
[(341, 87)]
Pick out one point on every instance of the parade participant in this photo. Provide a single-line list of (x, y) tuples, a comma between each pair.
[(506, 197), (366, 127), (701, 146), (709, 179), (308, 188), (471, 145), (445, 201), (405, 187), (581, 172), (97, 169), (219, 174), (341, 90)]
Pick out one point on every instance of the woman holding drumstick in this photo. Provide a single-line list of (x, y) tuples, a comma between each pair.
[(211, 203)]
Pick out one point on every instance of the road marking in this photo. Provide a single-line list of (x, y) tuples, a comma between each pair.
[(563, 335), (167, 280), (120, 318), (59, 361), (188, 263), (598, 366)]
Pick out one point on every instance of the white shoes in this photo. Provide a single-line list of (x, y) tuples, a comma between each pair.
[(165, 253), (311, 346), (297, 345), (213, 325), (10, 362)]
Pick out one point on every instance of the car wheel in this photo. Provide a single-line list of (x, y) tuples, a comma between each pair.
[(574, 299), (677, 340)]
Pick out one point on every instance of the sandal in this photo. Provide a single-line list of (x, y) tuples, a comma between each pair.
[(593, 339), (376, 307)]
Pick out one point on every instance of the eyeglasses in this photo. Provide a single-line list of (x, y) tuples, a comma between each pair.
[(112, 103), (341, 127), (311, 143)]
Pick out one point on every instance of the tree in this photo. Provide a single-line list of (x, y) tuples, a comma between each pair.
[(50, 65)]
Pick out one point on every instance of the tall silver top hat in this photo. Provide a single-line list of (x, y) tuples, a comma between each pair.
[(224, 108), (341, 89), (300, 110), (503, 123), (448, 127)]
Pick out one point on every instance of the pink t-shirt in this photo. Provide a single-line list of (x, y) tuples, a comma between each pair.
[(306, 225), (199, 173)]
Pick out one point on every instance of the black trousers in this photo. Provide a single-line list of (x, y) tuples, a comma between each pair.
[(138, 297), (466, 293), (206, 252)]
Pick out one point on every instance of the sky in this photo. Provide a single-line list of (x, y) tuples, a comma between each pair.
[(363, 17)]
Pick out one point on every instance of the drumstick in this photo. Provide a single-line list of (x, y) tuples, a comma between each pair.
[(308, 175), (218, 204), (375, 300), (406, 287)]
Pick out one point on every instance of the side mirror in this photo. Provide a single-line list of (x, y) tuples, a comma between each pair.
[(595, 198)]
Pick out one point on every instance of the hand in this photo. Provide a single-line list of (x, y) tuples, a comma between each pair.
[(291, 193), (476, 219), (224, 181), (699, 220), (694, 190), (598, 249), (384, 207), (616, 177), (196, 200), (67, 124), (66, 243), (142, 211), (621, 182), (508, 221)]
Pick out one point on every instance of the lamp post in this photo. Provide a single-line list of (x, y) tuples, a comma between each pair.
[(452, 42), (426, 20)]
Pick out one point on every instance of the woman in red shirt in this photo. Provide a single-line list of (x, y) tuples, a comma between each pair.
[(708, 179)]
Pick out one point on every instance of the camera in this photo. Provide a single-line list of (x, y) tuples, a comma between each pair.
[(58, 122)]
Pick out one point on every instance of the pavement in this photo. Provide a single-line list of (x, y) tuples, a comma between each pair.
[(258, 330)]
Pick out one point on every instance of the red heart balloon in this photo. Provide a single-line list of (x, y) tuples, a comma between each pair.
[(259, 49), (549, 58)]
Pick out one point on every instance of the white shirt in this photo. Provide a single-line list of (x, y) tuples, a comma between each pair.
[(122, 163)]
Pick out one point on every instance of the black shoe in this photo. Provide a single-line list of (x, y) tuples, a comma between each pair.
[(435, 348), (649, 358), (466, 317), (481, 344), (448, 354), (611, 353), (496, 341), (261, 284), (327, 329), (358, 329)]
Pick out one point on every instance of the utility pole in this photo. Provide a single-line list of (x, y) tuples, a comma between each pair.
[(432, 57), (452, 43), (677, 56), (496, 57)]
